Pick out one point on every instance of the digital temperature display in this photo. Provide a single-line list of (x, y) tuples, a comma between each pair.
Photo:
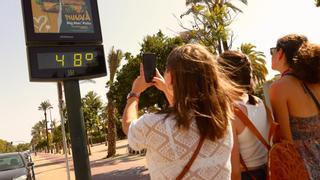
[(56, 63), (67, 60)]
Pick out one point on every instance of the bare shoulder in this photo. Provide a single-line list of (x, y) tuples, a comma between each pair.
[(283, 86)]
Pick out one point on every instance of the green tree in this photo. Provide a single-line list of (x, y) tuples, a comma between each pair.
[(211, 21), (114, 59), (317, 2), (161, 46), (57, 138), (6, 146), (258, 62), (44, 106), (23, 147), (37, 132), (91, 106)]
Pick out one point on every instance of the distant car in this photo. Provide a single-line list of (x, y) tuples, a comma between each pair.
[(27, 156), (14, 166)]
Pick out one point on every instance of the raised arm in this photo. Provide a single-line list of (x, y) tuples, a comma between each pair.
[(131, 110)]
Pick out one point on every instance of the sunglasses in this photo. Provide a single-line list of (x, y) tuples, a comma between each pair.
[(273, 50)]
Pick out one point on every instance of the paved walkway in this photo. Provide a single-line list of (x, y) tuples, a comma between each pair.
[(120, 167)]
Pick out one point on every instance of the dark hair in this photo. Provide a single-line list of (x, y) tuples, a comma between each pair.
[(302, 56), (200, 90), (237, 67)]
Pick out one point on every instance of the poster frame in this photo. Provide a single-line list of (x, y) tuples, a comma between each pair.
[(57, 38)]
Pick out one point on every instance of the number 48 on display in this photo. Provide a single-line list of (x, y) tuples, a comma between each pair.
[(77, 58)]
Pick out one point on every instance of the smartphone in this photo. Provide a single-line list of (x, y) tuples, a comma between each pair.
[(149, 66)]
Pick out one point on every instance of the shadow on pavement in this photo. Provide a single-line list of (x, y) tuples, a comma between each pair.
[(137, 173), (50, 163), (114, 160), (118, 147)]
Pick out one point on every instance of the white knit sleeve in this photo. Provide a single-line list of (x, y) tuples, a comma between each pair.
[(136, 134)]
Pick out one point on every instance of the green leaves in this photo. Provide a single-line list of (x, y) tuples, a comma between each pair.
[(211, 21), (92, 107), (114, 59), (161, 46), (44, 106), (258, 62), (6, 146)]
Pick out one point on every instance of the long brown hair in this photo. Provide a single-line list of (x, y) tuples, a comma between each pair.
[(237, 67), (200, 90), (302, 56)]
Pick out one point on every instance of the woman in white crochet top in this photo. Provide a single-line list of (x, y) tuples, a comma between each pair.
[(200, 99)]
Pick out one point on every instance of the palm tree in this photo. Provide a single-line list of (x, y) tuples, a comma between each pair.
[(37, 132), (211, 21), (44, 106), (92, 106), (258, 62), (114, 59)]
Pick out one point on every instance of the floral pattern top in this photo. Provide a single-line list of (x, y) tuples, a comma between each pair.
[(306, 136)]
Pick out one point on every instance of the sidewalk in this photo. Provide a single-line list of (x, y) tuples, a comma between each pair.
[(122, 166)]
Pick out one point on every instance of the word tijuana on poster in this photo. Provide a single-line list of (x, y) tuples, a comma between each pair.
[(62, 16)]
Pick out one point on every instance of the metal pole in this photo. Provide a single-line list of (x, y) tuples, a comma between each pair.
[(59, 85), (77, 130)]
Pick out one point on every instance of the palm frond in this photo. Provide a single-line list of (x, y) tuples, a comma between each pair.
[(233, 7)]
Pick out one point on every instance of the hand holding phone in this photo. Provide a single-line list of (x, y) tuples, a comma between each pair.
[(149, 66)]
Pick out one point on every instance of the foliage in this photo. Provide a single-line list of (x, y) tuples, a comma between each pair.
[(258, 62), (6, 146), (114, 59), (41, 144), (38, 131), (317, 2), (161, 46), (44, 106), (57, 135), (23, 147), (211, 21), (92, 106)]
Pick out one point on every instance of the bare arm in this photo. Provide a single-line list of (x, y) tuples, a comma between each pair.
[(130, 113), (131, 110), (278, 97), (235, 156)]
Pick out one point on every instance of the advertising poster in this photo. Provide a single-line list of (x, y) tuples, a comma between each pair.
[(62, 16)]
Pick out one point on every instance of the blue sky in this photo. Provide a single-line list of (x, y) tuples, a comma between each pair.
[(124, 24)]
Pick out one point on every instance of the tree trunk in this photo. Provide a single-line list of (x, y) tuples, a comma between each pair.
[(68, 145), (219, 47), (225, 45), (88, 144), (111, 136), (45, 119)]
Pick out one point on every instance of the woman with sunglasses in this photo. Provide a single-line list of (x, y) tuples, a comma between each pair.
[(295, 97)]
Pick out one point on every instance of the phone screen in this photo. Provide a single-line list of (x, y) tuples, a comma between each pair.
[(149, 66)]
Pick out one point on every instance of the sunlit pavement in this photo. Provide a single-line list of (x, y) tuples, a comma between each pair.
[(122, 166)]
